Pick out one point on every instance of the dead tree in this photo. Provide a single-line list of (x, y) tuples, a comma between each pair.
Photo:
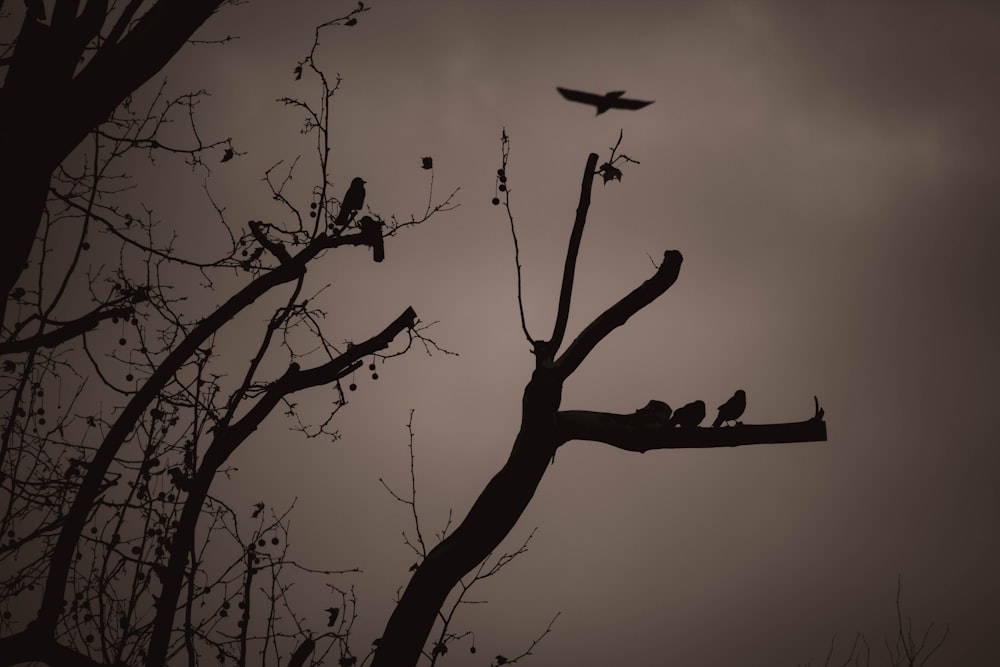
[(543, 429)]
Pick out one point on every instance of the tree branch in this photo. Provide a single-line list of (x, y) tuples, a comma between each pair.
[(62, 552), (302, 653), (566, 293), (637, 433), (65, 332), (227, 439), (488, 522), (32, 646), (619, 313), (121, 67), (273, 247), (40, 85)]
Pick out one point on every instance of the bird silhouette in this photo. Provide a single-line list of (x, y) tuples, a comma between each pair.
[(732, 409), (689, 415), (657, 412), (612, 100), (353, 200), (372, 230)]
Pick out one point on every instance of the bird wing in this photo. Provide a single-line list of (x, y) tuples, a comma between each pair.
[(626, 103), (580, 96)]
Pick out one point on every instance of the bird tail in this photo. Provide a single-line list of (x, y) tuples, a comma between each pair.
[(717, 422)]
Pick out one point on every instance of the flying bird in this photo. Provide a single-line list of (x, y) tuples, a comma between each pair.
[(732, 409), (689, 415), (354, 199), (612, 100)]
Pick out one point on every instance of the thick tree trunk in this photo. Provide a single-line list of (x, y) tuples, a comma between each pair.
[(23, 190), (489, 521), (29, 149), (47, 107)]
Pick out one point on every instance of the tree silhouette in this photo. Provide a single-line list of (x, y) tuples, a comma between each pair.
[(120, 407), (84, 59), (544, 428), (905, 649)]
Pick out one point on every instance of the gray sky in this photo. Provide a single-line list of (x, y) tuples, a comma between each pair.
[(828, 172)]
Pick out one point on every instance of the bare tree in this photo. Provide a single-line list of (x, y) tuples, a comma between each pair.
[(544, 428), (903, 650), (117, 419), (119, 409), (65, 75)]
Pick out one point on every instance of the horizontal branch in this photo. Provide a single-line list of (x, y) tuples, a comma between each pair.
[(33, 645), (637, 433)]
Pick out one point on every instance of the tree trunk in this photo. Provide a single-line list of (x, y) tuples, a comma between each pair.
[(489, 521)]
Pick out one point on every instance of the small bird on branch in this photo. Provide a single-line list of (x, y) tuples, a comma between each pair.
[(689, 415), (656, 412), (353, 200), (371, 229), (612, 100), (732, 409)]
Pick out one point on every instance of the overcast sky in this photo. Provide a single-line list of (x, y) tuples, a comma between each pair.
[(828, 172)]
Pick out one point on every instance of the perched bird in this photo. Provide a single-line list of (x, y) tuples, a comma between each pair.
[(612, 100), (656, 412), (372, 231), (689, 415), (732, 409), (353, 200)]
